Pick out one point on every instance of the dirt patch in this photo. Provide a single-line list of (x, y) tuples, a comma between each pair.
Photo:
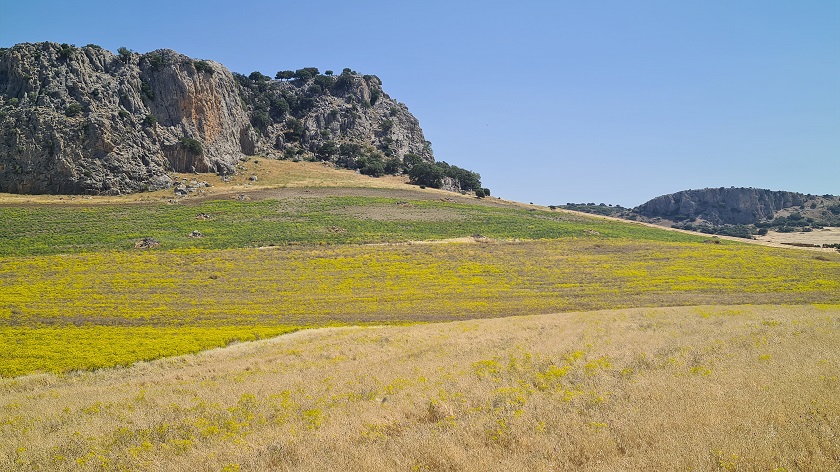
[(816, 237), (397, 212)]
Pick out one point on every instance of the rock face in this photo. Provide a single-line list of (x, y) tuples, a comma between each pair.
[(84, 120), (340, 119), (721, 205)]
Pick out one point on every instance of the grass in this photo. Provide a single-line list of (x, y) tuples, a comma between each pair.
[(70, 347), (280, 288), (700, 388), (70, 229), (747, 387)]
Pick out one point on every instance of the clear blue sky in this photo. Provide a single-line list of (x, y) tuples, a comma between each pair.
[(551, 101)]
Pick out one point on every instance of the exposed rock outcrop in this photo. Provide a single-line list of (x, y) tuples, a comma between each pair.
[(719, 206), (84, 120)]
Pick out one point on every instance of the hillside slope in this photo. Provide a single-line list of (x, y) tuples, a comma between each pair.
[(84, 120)]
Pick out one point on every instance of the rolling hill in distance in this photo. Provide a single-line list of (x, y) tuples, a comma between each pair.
[(210, 271)]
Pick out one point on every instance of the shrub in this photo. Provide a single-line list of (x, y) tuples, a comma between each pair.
[(260, 119), (344, 82), (74, 109), (426, 174), (350, 150), (192, 145), (146, 90), (486, 192), (66, 51), (386, 125), (124, 54), (326, 150), (479, 193), (294, 130), (279, 107), (155, 61), (204, 66), (149, 121)]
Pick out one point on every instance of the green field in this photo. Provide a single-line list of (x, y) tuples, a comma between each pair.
[(71, 229)]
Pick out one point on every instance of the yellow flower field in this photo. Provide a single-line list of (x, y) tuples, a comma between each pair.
[(158, 304)]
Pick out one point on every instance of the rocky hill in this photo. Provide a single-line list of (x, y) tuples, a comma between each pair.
[(84, 120), (722, 205), (748, 208)]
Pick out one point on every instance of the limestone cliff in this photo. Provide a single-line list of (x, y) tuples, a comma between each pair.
[(85, 120), (734, 206)]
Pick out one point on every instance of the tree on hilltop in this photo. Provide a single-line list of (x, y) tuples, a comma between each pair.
[(285, 75)]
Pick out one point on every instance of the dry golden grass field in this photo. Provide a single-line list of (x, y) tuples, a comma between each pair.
[(364, 324), (691, 388)]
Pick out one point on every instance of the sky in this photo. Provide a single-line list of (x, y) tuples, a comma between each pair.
[(550, 101)]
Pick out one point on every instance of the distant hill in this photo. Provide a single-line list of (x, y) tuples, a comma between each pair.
[(741, 212), (732, 205), (79, 120), (711, 209)]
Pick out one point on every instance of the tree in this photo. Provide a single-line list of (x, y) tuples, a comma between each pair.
[(257, 76), (260, 119), (306, 73), (479, 193), (327, 150), (324, 81), (278, 107), (426, 174), (372, 166), (392, 165), (294, 130), (285, 75), (410, 160), (350, 150), (328, 72)]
